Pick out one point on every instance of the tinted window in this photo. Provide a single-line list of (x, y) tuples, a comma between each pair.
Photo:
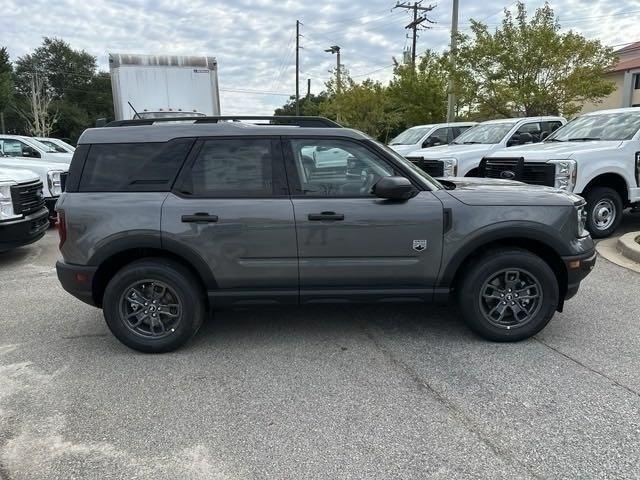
[(440, 136), (336, 168), (139, 167), (235, 168)]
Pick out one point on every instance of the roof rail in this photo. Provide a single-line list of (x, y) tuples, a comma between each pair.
[(292, 120)]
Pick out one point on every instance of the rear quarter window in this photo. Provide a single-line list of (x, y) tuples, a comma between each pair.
[(133, 167)]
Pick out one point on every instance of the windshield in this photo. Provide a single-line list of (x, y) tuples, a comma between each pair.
[(604, 126), (432, 182), (485, 133), (44, 146), (56, 148), (411, 136)]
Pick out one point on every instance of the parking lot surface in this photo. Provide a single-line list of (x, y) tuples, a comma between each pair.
[(395, 391)]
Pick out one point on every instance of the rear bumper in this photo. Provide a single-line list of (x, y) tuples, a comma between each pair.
[(578, 267), (23, 231), (77, 280)]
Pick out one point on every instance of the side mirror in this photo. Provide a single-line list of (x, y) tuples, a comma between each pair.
[(30, 152), (394, 188), (432, 142), (544, 135)]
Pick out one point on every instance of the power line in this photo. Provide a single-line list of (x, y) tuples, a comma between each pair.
[(417, 22)]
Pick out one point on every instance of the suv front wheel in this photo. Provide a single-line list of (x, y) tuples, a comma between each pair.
[(154, 305), (508, 295)]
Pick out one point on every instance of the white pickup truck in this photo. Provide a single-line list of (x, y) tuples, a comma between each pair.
[(596, 155), (425, 136), (461, 158), (25, 152)]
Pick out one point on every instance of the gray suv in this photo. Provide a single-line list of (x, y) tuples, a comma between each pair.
[(163, 221)]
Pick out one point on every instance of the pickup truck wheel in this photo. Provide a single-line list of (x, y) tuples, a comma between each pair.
[(154, 305), (508, 295), (604, 211)]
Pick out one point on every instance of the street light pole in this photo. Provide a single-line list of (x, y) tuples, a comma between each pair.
[(336, 49)]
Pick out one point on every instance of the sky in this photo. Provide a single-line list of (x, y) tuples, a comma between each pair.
[(254, 41)]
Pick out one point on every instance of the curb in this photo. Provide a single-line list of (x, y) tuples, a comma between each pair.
[(629, 247), (610, 249)]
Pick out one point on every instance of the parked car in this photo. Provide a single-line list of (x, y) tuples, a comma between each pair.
[(462, 157), (52, 168), (58, 145), (229, 216), (596, 155), (23, 216), (425, 136), (29, 147)]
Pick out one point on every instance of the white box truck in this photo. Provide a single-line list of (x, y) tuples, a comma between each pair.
[(156, 86)]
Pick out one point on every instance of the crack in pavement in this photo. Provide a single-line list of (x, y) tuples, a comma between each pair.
[(455, 411), (587, 367)]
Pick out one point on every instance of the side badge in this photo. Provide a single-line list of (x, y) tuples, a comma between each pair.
[(419, 245)]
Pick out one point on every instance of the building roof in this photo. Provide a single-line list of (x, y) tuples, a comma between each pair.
[(629, 57)]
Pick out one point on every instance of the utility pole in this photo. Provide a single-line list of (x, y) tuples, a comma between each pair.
[(297, 67), (416, 23), (308, 88), (451, 100)]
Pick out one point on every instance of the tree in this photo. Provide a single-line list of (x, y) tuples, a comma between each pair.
[(6, 85), (38, 116), (309, 106), (364, 106), (420, 93), (528, 67)]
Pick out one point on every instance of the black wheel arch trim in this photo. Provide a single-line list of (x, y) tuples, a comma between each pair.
[(518, 230), (155, 241)]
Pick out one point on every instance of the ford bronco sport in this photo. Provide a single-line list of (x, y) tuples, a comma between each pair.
[(161, 222)]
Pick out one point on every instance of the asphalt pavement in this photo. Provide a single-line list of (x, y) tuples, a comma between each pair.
[(353, 392)]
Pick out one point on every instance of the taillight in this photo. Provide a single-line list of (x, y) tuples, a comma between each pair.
[(62, 228)]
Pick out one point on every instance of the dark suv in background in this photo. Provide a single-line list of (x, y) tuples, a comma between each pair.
[(161, 222)]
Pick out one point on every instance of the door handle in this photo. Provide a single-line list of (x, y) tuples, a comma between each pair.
[(199, 217), (315, 217)]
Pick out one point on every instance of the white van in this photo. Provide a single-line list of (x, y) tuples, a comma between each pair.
[(30, 148)]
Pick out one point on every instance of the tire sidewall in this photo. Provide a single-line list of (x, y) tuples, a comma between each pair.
[(593, 197), (488, 266), (179, 279)]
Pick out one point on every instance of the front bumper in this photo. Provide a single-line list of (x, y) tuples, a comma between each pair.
[(77, 280), (23, 231), (578, 267)]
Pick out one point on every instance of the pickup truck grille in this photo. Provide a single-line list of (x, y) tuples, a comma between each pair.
[(27, 197), (435, 168), (535, 173)]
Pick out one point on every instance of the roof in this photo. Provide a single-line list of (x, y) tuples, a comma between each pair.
[(627, 65), (614, 110), (629, 57), (125, 59), (530, 119), (166, 132), (629, 48)]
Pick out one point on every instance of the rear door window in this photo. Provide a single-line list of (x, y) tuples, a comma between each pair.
[(133, 167)]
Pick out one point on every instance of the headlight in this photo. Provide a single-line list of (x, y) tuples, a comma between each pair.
[(581, 213), (55, 183), (566, 172), (450, 167), (6, 203)]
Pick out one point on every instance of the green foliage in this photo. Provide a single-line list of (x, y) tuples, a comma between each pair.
[(79, 92), (420, 94), (6, 80), (528, 67), (364, 106), (308, 106)]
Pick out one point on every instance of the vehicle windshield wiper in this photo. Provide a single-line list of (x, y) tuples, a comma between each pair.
[(582, 139), (470, 143), (554, 140)]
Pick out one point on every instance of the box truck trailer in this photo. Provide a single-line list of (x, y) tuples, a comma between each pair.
[(156, 86)]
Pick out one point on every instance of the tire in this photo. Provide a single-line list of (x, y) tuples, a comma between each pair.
[(498, 267), (601, 200), (179, 312)]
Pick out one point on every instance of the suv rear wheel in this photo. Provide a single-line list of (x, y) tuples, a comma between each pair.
[(508, 295), (604, 211), (154, 305)]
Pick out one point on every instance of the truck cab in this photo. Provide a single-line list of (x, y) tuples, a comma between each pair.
[(462, 157), (596, 155), (425, 136)]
